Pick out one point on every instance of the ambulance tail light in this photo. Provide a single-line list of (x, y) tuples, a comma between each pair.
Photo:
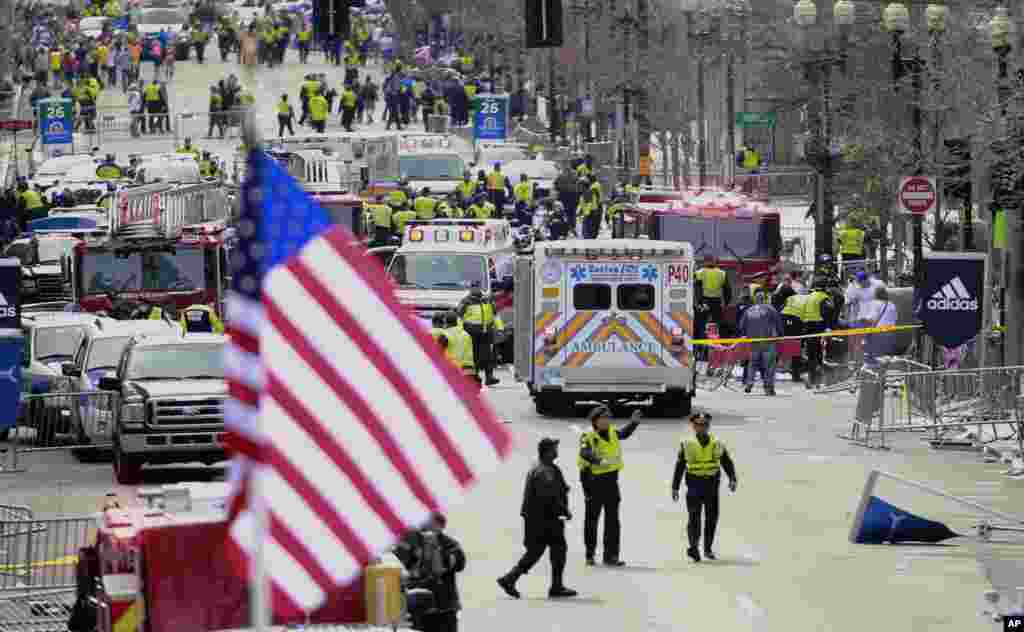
[(550, 337), (678, 342)]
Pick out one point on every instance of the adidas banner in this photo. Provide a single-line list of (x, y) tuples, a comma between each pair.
[(951, 295), (10, 294)]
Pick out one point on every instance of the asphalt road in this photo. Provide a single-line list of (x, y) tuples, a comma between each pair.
[(784, 559)]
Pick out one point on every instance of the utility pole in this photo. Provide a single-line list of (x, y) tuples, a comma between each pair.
[(7, 33), (1015, 226)]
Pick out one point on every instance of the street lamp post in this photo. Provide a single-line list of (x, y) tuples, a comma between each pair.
[(819, 72), (690, 9)]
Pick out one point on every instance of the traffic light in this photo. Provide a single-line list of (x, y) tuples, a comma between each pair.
[(328, 13), (544, 24), (957, 184)]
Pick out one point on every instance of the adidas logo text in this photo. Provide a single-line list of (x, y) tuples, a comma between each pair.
[(953, 297)]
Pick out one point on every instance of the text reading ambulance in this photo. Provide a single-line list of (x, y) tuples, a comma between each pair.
[(441, 261), (608, 320)]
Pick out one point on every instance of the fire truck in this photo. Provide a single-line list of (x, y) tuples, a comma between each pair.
[(743, 235), (164, 243)]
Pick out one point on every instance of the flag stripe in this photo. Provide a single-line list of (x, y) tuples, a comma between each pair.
[(343, 318), (244, 340), (243, 367), (301, 415), (293, 590), (243, 393), (480, 415), (352, 399), (296, 547)]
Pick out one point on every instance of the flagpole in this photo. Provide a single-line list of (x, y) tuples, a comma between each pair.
[(260, 614)]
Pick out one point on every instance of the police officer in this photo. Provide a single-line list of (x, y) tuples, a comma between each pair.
[(200, 318), (851, 244), (793, 325), (318, 111), (600, 461), (716, 292), (189, 149), (30, 203), (467, 188), (382, 222), (349, 102), (496, 184), (151, 98), (476, 209), (108, 169), (590, 215), (285, 117), (207, 166), (425, 206), (477, 312), (306, 92), (702, 458), (462, 342), (819, 312), (618, 204), (544, 510), (523, 193)]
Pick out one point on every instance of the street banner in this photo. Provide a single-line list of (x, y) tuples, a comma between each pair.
[(10, 293), (950, 296), (56, 121), (490, 121), (881, 522)]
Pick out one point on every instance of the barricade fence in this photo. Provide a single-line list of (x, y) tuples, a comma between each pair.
[(43, 611), (78, 422), (40, 554), (209, 125), (908, 397)]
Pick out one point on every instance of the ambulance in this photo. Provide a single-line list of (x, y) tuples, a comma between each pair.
[(426, 160), (606, 320), (441, 261)]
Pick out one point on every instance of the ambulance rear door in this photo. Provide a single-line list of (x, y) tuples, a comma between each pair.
[(676, 315), (614, 322)]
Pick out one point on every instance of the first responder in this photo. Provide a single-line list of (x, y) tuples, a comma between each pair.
[(444, 209), (496, 184), (477, 312), (216, 113), (151, 98), (544, 510), (618, 204), (189, 149), (285, 116), (30, 203), (600, 461), (305, 38), (467, 188), (463, 342), (108, 169), (207, 166), (318, 111), (397, 199), (851, 244), (818, 315), (400, 218), (476, 210), (382, 223), (308, 88), (595, 189), (715, 292), (702, 458), (793, 325), (349, 102), (523, 193), (151, 311), (589, 213), (489, 210), (584, 169), (425, 206), (201, 318)]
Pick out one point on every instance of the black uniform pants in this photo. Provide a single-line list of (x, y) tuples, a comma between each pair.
[(813, 346), (348, 115), (715, 312), (793, 326), (439, 622), (545, 535), (283, 123), (702, 498), (602, 496), (482, 342)]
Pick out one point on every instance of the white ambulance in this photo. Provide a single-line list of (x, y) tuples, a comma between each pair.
[(441, 261), (606, 320), (426, 160)]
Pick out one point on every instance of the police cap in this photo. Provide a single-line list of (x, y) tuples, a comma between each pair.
[(546, 444), (451, 319), (598, 412)]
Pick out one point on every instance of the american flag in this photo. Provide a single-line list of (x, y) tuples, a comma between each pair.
[(356, 426)]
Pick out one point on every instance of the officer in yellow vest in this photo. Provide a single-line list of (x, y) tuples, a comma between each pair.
[(305, 38), (477, 313), (306, 91), (349, 101), (715, 291), (600, 461), (793, 325), (851, 244), (444, 209), (285, 117), (397, 199), (751, 159), (618, 204), (108, 169), (207, 166), (583, 170), (425, 206), (196, 319), (467, 188), (30, 202), (463, 343), (402, 217), (589, 214), (496, 182), (189, 149), (318, 112), (382, 223), (819, 314), (702, 458), (595, 189), (476, 209), (523, 192), (489, 210)]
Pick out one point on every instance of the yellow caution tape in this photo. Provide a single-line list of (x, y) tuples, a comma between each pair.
[(67, 560), (828, 334)]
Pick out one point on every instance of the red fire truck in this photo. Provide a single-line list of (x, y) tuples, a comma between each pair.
[(166, 243)]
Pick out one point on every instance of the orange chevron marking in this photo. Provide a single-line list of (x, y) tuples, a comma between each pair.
[(567, 333)]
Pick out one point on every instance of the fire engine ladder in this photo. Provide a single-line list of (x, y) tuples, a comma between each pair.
[(160, 211)]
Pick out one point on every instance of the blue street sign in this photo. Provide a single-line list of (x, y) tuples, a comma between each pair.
[(491, 120), (56, 121)]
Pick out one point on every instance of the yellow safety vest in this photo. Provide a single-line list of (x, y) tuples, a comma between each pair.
[(55, 59), (495, 181), (247, 98), (703, 461), (401, 218), (489, 210), (305, 35), (156, 313), (215, 102), (425, 207), (470, 91), (596, 189), (751, 159), (201, 319), (851, 242), (309, 88), (318, 108), (713, 280), (381, 215), (152, 93), (207, 169), (463, 347), (479, 314), (812, 307), (614, 210), (586, 208), (108, 172), (475, 211), (523, 192), (610, 452), (32, 199), (348, 99), (284, 108), (795, 306), (467, 188), (397, 198), (582, 171), (189, 151)]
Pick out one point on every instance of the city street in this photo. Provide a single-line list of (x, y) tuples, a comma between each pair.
[(789, 520)]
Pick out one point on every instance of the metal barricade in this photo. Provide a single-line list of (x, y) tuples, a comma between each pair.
[(208, 125), (47, 611), (42, 554), (79, 422)]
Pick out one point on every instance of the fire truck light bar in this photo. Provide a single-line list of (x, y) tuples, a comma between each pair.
[(466, 235), (617, 252)]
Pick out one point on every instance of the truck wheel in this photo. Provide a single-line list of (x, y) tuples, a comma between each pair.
[(5, 434), (673, 405), (127, 470)]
